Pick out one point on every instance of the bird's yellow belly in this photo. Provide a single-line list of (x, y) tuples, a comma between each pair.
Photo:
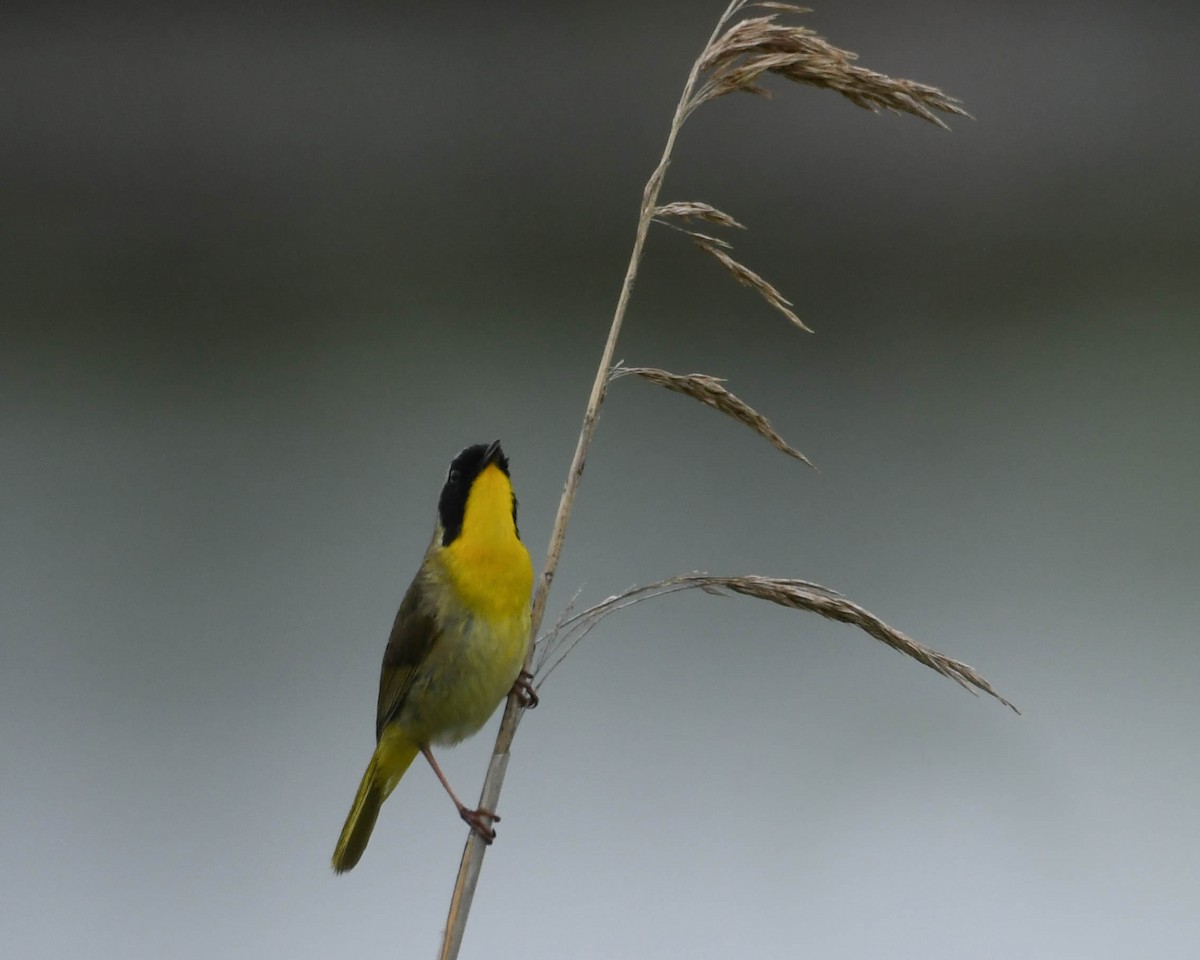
[(469, 671)]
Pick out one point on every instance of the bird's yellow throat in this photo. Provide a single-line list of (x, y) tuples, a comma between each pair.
[(486, 563)]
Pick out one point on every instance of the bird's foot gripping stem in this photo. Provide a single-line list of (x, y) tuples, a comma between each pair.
[(527, 696), (480, 821)]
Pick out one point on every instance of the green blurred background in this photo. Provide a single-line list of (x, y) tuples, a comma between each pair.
[(266, 270)]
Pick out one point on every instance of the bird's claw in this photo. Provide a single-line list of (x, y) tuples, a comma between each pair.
[(480, 821), (527, 696)]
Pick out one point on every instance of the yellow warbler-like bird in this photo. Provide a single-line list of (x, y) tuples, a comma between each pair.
[(458, 643)]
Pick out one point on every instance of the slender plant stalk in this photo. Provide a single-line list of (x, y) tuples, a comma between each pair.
[(732, 60), (472, 857)]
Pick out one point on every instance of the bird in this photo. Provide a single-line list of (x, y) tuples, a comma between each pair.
[(458, 644)]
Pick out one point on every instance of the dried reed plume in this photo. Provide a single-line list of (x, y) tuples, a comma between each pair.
[(717, 248), (787, 592), (696, 210), (709, 391), (759, 45), (737, 56)]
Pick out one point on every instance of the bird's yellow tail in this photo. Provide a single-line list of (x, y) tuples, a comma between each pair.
[(391, 759)]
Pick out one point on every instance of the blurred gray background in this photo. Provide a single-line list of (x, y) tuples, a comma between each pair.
[(264, 271)]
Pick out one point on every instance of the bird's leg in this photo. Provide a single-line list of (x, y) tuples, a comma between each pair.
[(480, 820), (527, 696)]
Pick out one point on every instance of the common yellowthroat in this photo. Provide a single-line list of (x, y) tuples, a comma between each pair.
[(458, 642)]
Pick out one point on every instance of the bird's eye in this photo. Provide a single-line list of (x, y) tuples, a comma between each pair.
[(454, 475)]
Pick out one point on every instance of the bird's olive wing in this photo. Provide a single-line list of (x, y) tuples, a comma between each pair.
[(413, 634)]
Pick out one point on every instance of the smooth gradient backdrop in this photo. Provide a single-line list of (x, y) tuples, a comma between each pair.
[(265, 269)]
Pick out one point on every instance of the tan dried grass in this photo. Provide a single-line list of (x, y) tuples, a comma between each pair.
[(740, 56), (712, 392), (786, 592), (718, 250), (737, 56)]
